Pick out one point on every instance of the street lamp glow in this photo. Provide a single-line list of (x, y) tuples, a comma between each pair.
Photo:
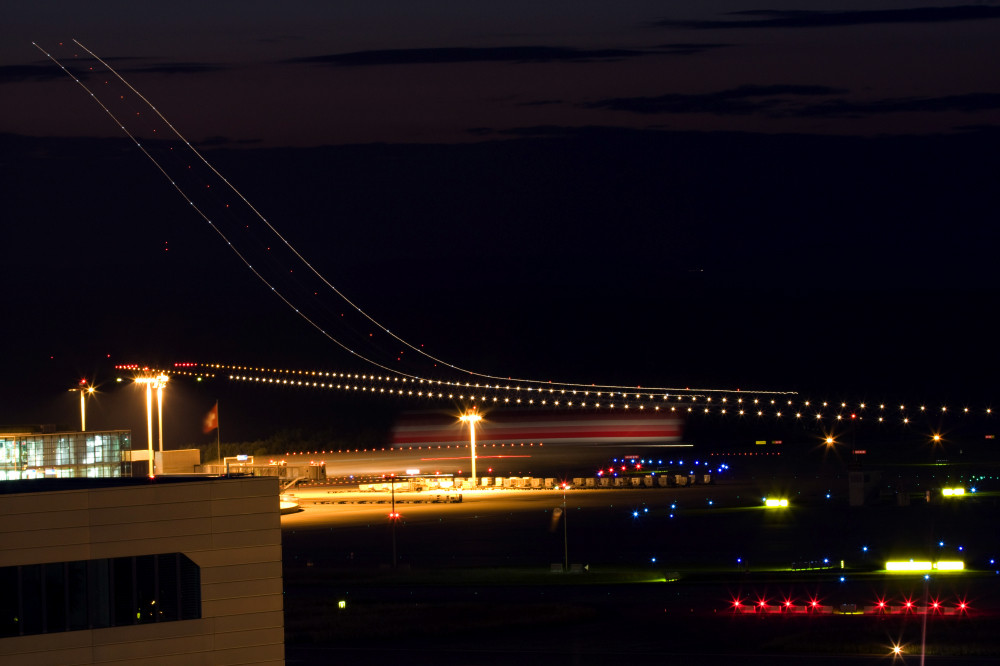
[(472, 417)]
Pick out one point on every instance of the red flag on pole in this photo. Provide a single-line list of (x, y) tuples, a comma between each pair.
[(211, 420)]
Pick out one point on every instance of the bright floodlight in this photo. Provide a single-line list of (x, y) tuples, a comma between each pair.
[(775, 503), (829, 441), (953, 492)]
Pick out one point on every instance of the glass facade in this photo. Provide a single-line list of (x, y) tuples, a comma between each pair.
[(63, 455)]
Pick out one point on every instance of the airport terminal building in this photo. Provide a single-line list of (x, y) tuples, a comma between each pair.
[(42, 452), (176, 569)]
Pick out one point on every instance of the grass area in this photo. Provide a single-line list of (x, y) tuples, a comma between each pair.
[(483, 576), (322, 621)]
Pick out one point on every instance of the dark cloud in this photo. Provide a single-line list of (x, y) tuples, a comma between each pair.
[(462, 54), (218, 141), (47, 70), (21, 73), (968, 103), (777, 100), (177, 68), (772, 18), (734, 101), (500, 54), (542, 102), (688, 48)]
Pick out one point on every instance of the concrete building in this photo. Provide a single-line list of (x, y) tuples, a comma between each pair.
[(172, 570)]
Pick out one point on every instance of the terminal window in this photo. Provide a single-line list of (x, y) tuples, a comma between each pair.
[(92, 594)]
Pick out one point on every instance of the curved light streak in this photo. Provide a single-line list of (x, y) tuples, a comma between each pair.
[(287, 244)]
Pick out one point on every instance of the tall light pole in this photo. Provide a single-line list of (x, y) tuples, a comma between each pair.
[(158, 382), (565, 531), (472, 417), (159, 410), (84, 391), (394, 517)]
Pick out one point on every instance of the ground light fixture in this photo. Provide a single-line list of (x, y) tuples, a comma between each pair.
[(775, 503)]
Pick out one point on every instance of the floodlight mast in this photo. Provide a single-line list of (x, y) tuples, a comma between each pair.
[(83, 389), (159, 381), (472, 417)]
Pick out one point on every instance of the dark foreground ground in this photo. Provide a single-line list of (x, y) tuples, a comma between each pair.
[(660, 570)]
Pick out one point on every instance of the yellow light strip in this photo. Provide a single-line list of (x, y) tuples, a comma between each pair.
[(922, 566)]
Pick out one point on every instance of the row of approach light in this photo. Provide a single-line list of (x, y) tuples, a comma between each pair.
[(714, 405), (881, 605), (525, 385), (564, 397)]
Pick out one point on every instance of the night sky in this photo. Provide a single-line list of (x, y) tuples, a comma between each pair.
[(710, 194)]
